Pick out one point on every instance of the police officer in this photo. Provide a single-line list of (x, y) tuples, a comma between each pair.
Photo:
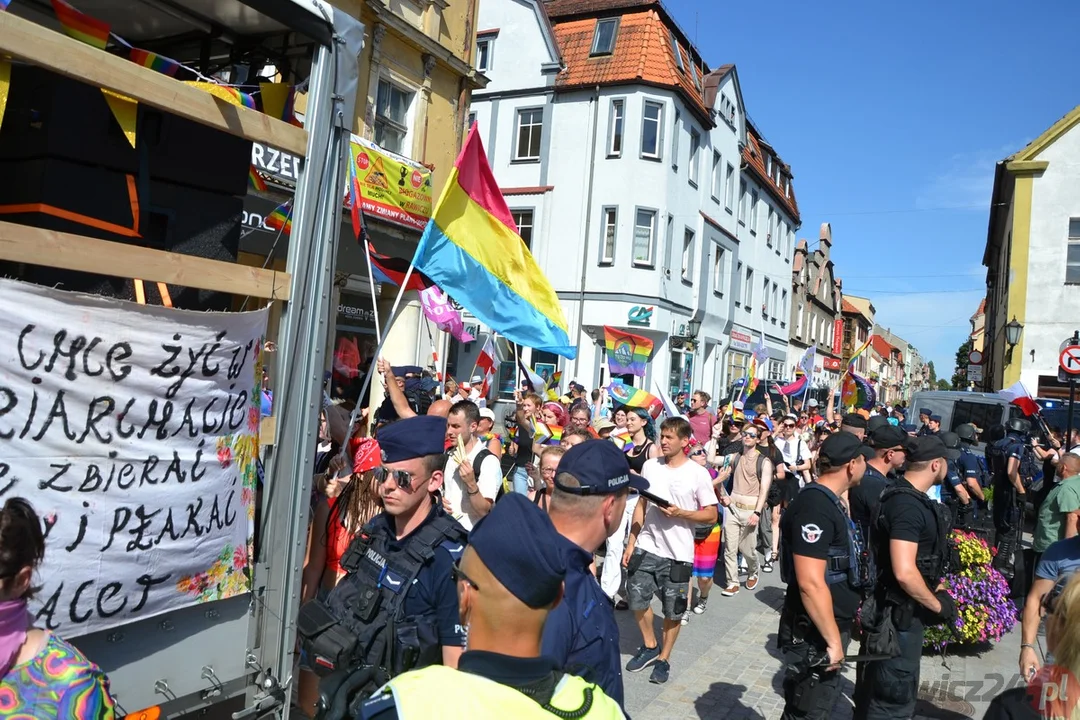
[(822, 557), (954, 492), (924, 422), (911, 549), (933, 425), (972, 470), (397, 606), (509, 579), (887, 443), (592, 483), (1010, 494)]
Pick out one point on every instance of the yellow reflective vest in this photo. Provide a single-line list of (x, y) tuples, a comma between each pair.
[(441, 692)]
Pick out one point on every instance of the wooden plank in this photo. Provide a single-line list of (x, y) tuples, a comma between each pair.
[(268, 431), (36, 246), (36, 44)]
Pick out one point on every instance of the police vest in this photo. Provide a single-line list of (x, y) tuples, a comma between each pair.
[(934, 566), (369, 601), (428, 693), (850, 563), (980, 462)]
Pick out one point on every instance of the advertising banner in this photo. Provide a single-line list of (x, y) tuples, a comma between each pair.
[(392, 188), (134, 433)]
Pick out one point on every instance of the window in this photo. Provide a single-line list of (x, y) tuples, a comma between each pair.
[(524, 221), (675, 142), (989, 414), (694, 73), (651, 122), (717, 178), (688, 255), (753, 211), (1072, 259), (783, 308), (607, 240), (484, 47), (391, 117), (529, 131), (770, 229), (695, 145), (765, 297), (615, 131), (737, 277), (783, 238), (469, 122), (798, 322), (729, 187), (718, 271), (675, 49), (748, 288), (603, 42), (645, 237), (669, 244), (774, 306)]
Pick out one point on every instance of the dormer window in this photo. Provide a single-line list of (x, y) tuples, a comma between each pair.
[(697, 78), (678, 53), (604, 37)]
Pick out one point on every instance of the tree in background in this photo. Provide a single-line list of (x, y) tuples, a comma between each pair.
[(933, 374), (959, 378), (943, 384)]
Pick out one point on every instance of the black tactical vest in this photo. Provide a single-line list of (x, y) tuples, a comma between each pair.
[(932, 567), (849, 562)]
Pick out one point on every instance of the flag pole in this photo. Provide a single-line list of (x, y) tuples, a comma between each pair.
[(371, 286)]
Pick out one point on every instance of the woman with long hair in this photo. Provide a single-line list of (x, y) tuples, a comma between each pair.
[(41, 675), (553, 413)]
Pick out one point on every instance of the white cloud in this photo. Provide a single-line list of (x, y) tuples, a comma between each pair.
[(965, 180)]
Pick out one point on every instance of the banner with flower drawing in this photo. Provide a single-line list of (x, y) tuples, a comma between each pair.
[(134, 432)]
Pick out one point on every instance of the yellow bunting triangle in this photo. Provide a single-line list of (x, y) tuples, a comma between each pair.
[(5, 85), (125, 110), (274, 97)]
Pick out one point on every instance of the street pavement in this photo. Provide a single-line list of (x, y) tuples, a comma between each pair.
[(725, 666)]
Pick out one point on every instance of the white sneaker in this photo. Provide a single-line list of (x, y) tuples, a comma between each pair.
[(685, 618)]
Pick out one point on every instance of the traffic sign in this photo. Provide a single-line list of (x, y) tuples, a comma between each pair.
[(975, 357), (975, 373), (1069, 360)]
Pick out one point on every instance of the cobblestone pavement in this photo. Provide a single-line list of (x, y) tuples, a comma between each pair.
[(725, 666)]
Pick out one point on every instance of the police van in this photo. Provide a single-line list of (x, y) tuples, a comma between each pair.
[(983, 410)]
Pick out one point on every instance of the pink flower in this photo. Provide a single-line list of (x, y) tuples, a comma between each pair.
[(224, 456)]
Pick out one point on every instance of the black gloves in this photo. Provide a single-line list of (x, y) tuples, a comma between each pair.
[(947, 614)]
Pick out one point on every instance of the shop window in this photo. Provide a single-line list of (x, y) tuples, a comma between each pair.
[(391, 116)]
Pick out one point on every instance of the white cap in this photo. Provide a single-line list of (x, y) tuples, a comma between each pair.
[(738, 405), (477, 380), (811, 403), (487, 413)]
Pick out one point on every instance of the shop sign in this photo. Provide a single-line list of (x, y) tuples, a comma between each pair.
[(838, 335), (392, 188), (351, 311), (640, 316), (278, 164), (740, 341), (831, 363)]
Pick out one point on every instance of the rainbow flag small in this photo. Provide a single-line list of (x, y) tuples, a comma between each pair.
[(81, 26), (160, 63), (862, 348), (626, 353), (281, 218), (552, 390), (857, 392), (255, 179), (544, 434), (623, 394), (623, 440)]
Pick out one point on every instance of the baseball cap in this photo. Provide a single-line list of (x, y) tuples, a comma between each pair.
[(927, 447), (887, 436), (841, 448), (854, 420), (599, 467), (487, 413), (811, 403)]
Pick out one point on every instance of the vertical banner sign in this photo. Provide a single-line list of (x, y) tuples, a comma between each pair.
[(133, 431), (391, 187), (838, 336)]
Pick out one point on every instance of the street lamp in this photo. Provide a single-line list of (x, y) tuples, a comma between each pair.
[(1012, 332), (692, 327)]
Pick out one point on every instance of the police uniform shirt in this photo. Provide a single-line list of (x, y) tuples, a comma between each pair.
[(968, 466), (953, 479), (865, 498), (1012, 447), (581, 634), (434, 592), (906, 518), (810, 526)]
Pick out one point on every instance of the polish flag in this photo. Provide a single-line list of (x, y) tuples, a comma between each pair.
[(486, 364), (1018, 395)]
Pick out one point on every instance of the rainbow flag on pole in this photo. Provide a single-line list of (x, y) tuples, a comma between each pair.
[(626, 352), (857, 392), (471, 249), (547, 434), (861, 349), (255, 179), (81, 26), (623, 440), (632, 397), (160, 63), (281, 218)]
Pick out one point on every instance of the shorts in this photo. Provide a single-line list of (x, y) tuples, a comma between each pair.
[(705, 553), (650, 575)]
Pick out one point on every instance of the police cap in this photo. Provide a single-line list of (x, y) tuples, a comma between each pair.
[(935, 418), (841, 448), (520, 548), (924, 411), (878, 421), (413, 437), (854, 420), (925, 448), (887, 436), (599, 467)]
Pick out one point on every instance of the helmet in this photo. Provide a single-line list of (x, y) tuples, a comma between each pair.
[(1019, 425), (951, 440), (967, 432)]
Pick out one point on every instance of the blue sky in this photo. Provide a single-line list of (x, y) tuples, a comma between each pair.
[(892, 117)]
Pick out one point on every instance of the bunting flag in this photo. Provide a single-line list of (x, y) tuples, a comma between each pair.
[(472, 250), (626, 352), (255, 180), (126, 112), (229, 94), (623, 440), (632, 397), (81, 26), (857, 392), (533, 381), (281, 218), (160, 63), (5, 86), (862, 348), (796, 386), (274, 97), (544, 434), (394, 270)]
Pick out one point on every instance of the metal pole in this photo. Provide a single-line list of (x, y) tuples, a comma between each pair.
[(1072, 402), (588, 228)]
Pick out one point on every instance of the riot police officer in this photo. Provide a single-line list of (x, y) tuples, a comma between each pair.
[(911, 549), (823, 562), (971, 468), (397, 606), (1010, 493), (954, 492)]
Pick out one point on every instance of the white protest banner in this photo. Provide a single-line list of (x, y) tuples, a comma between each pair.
[(133, 431)]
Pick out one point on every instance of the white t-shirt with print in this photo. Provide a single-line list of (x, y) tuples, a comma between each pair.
[(488, 479), (688, 486)]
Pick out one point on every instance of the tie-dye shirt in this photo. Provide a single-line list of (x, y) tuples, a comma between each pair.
[(58, 682)]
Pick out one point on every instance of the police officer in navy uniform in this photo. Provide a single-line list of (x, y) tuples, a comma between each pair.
[(397, 607), (972, 471), (1006, 458), (823, 562), (887, 443), (924, 422), (592, 484), (954, 491), (911, 550)]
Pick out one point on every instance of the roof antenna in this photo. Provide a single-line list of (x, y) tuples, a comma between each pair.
[(695, 27)]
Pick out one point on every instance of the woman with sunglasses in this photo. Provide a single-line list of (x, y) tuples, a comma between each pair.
[(41, 676)]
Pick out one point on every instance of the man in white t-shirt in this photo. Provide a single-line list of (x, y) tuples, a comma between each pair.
[(468, 490), (659, 554)]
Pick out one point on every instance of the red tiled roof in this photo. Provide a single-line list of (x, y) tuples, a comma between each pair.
[(754, 158), (711, 83), (642, 52), (982, 308), (881, 346), (849, 308), (800, 256)]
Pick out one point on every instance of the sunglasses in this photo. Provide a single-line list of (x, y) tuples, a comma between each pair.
[(789, 424), (750, 435), (459, 575), (403, 478)]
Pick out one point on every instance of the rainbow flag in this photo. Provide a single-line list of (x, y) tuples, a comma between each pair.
[(857, 392), (623, 440), (160, 63), (471, 249), (632, 397), (862, 348), (81, 26), (626, 352), (544, 434), (281, 218), (255, 179)]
